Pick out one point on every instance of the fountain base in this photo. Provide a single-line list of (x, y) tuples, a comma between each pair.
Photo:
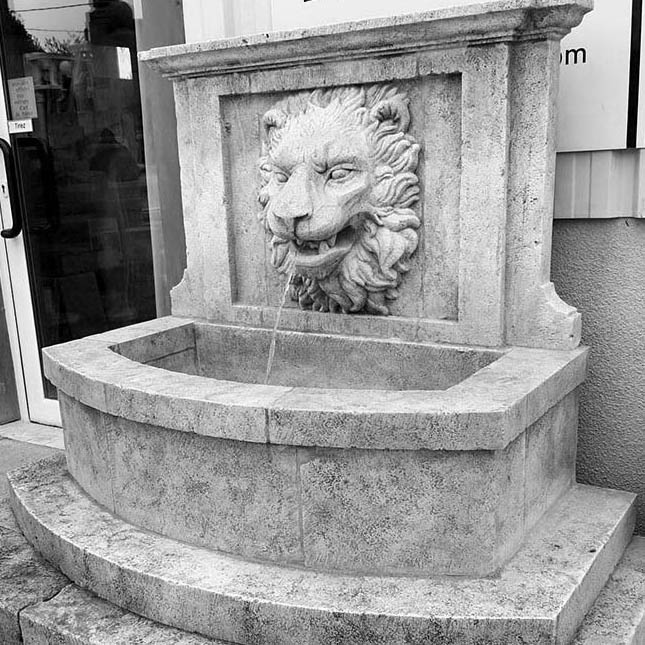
[(432, 460), (540, 596)]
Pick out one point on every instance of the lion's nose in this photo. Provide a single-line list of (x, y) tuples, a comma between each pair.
[(294, 201), (288, 219)]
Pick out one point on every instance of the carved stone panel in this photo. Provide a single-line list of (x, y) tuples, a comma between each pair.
[(398, 206), (338, 188)]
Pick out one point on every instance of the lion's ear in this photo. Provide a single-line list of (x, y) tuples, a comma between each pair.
[(273, 119), (395, 110)]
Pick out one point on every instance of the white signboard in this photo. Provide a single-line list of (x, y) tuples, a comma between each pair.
[(594, 79), (22, 98), (594, 99)]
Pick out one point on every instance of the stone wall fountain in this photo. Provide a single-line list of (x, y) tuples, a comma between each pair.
[(406, 475)]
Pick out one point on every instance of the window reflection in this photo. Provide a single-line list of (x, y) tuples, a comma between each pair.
[(82, 168)]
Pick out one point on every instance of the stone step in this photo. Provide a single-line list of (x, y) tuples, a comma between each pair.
[(39, 606), (77, 617), (540, 597), (25, 579), (618, 615)]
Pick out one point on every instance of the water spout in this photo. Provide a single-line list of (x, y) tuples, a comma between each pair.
[(275, 330)]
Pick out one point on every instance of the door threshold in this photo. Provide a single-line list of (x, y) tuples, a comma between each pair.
[(40, 435)]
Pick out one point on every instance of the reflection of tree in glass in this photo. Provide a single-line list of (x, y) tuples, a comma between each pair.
[(65, 46), (17, 40), (13, 27)]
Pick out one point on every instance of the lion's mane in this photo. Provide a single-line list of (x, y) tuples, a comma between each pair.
[(369, 275)]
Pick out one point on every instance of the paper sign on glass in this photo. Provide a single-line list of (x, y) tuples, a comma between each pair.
[(22, 98)]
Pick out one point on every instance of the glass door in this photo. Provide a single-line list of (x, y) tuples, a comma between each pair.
[(73, 193)]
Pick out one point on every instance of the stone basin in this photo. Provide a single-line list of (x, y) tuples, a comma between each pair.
[(438, 462), (232, 353)]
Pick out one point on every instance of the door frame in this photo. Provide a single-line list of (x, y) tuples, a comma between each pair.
[(19, 308)]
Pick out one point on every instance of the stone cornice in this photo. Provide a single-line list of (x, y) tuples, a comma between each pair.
[(487, 22)]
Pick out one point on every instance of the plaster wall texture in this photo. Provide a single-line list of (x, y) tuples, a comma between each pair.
[(598, 267)]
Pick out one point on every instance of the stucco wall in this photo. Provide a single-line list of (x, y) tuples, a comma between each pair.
[(599, 267)]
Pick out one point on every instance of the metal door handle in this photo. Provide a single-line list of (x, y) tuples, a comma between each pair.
[(14, 200)]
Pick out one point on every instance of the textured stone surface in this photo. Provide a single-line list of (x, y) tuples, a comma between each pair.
[(500, 399), (77, 617), (534, 312), (486, 410), (485, 96), (87, 453), (12, 455), (89, 370), (25, 579), (550, 455), (435, 512), (234, 496), (238, 497), (374, 511), (184, 362), (618, 615), (151, 347), (162, 458), (541, 596), (339, 362)]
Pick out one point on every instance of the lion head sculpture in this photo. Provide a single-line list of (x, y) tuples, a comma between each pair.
[(338, 183)]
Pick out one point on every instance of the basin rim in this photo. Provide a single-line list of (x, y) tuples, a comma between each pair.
[(485, 411)]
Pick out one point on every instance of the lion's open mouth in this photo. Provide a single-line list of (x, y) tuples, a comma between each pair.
[(316, 259)]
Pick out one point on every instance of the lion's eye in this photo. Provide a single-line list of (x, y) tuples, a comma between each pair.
[(338, 174), (271, 171)]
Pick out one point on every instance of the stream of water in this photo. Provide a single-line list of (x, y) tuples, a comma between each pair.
[(275, 330)]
